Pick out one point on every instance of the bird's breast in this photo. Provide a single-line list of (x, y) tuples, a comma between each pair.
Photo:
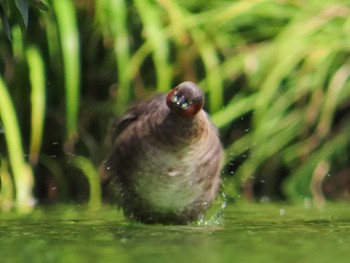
[(168, 182)]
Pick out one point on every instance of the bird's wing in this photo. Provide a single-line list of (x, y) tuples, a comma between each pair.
[(135, 113), (119, 125)]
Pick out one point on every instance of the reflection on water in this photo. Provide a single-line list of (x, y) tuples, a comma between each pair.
[(251, 233)]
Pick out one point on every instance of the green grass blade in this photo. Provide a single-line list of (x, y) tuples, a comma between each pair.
[(17, 42), (7, 193), (69, 39), (154, 32), (23, 8), (93, 178), (214, 81), (112, 18), (297, 186), (338, 82), (38, 100), (233, 110), (56, 169), (22, 172), (118, 21), (52, 40)]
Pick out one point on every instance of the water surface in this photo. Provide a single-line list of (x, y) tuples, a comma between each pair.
[(251, 233)]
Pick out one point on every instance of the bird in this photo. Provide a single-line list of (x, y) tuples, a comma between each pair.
[(166, 158)]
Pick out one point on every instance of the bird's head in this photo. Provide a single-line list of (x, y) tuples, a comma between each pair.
[(186, 99)]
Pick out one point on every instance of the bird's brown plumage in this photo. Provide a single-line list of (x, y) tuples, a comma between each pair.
[(165, 164)]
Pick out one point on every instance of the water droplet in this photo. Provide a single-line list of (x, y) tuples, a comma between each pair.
[(223, 205), (184, 105)]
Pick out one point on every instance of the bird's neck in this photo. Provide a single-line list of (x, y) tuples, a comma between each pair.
[(181, 130)]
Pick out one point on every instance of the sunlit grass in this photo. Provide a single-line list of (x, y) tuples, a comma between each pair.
[(38, 101), (154, 31), (7, 196), (22, 172)]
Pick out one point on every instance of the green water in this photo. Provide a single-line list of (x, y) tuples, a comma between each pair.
[(251, 233)]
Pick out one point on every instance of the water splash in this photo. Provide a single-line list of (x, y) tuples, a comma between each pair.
[(215, 215)]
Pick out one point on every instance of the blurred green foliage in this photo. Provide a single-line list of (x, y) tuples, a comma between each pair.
[(18, 10), (275, 74)]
